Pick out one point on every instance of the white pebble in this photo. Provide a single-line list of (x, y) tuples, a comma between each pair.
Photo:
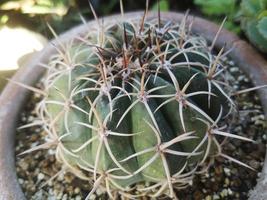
[(99, 192), (78, 198), (65, 197), (40, 176), (21, 181), (92, 197), (208, 197), (224, 193), (77, 190), (230, 192), (227, 171)]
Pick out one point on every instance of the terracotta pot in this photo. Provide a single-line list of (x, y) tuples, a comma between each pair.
[(14, 97)]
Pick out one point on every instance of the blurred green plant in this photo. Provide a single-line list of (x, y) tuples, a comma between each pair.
[(252, 15), (163, 4), (217, 9), (108, 7), (253, 18), (35, 14), (34, 7)]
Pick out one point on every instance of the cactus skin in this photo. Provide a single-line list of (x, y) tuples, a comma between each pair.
[(134, 107)]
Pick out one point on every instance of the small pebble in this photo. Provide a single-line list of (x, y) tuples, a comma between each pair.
[(227, 182), (227, 171), (254, 164), (77, 190), (21, 181), (78, 198), (208, 197), (216, 197), (230, 192), (40, 176)]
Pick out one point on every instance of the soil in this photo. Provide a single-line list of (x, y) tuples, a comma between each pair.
[(224, 179)]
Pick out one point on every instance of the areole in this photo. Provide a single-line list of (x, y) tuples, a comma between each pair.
[(14, 97)]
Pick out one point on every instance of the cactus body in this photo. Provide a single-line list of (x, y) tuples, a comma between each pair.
[(134, 106)]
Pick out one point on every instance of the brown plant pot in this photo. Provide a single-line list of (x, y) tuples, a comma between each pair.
[(14, 97)]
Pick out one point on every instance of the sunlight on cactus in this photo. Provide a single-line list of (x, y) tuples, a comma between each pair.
[(135, 106)]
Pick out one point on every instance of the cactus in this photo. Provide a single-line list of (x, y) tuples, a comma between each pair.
[(135, 106)]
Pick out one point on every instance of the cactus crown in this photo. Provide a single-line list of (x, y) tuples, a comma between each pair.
[(135, 106)]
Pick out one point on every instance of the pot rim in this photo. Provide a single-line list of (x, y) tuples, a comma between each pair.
[(13, 96)]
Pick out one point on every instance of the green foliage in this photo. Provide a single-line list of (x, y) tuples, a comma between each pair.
[(34, 7), (253, 17), (262, 27), (35, 14), (108, 7), (163, 4), (251, 13), (218, 9)]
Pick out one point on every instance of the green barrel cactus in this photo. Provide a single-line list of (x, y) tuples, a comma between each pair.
[(135, 106)]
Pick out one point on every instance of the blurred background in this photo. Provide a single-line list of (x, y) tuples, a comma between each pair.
[(24, 30)]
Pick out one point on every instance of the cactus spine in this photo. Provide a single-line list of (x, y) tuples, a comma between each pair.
[(135, 106)]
